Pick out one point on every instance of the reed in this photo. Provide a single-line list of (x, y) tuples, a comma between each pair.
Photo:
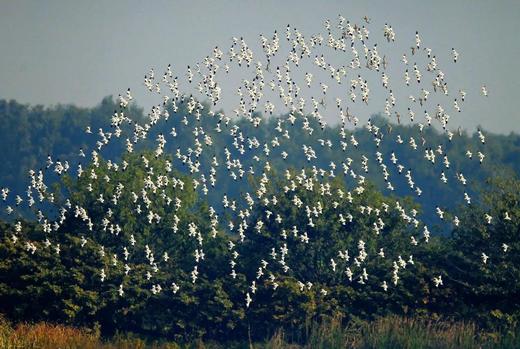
[(385, 333)]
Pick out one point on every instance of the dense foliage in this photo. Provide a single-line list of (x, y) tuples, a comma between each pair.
[(66, 287)]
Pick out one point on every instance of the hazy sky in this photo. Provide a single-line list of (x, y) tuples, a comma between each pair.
[(80, 51)]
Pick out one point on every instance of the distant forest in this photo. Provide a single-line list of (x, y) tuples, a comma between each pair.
[(30, 133)]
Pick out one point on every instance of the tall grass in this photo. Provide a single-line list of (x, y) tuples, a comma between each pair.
[(399, 333), (384, 333), (49, 336), (43, 335)]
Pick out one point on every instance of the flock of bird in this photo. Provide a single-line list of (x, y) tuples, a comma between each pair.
[(277, 86)]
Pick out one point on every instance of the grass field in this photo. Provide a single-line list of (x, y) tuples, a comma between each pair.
[(390, 332)]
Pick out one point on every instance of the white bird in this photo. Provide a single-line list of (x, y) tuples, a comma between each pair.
[(175, 288), (248, 300), (438, 281), (455, 55)]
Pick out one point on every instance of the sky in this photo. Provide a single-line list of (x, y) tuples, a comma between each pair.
[(62, 51)]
